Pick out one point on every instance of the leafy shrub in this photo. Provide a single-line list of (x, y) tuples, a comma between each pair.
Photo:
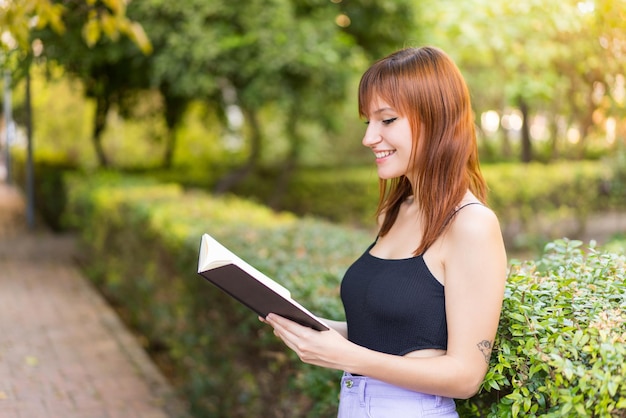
[(48, 187), (143, 240), (617, 244), (560, 349), (530, 199), (561, 345)]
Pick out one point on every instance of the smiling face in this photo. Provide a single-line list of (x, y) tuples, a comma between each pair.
[(389, 136)]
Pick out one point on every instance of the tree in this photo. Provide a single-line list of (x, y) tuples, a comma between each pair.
[(294, 55), (381, 26), (102, 17), (89, 22), (595, 65), (297, 55), (18, 20), (109, 66), (180, 67), (308, 47), (535, 55)]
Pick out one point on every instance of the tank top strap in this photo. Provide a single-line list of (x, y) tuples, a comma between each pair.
[(465, 205), (457, 211)]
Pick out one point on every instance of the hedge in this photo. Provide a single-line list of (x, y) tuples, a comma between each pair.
[(143, 240), (535, 202), (559, 351), (561, 345), (531, 200)]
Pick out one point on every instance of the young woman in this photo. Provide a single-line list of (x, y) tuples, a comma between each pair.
[(423, 301)]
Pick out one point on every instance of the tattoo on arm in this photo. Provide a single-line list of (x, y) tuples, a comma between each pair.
[(485, 347)]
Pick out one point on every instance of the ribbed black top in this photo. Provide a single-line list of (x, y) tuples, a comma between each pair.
[(394, 306)]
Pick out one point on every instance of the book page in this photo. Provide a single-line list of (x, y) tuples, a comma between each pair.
[(213, 255)]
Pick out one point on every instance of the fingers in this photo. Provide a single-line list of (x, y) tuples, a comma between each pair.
[(282, 330), (273, 325), (278, 321), (310, 346), (287, 330)]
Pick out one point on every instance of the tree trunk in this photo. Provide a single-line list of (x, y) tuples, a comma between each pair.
[(170, 146), (506, 144), (526, 144), (291, 161), (554, 138), (174, 110), (586, 124), (103, 104), (237, 175)]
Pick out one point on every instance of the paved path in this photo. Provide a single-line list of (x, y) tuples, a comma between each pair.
[(63, 351)]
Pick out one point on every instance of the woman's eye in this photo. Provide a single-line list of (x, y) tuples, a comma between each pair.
[(389, 121)]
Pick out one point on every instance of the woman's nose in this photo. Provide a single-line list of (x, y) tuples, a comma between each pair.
[(371, 137)]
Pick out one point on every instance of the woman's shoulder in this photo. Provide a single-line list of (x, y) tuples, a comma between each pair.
[(474, 245), (473, 223)]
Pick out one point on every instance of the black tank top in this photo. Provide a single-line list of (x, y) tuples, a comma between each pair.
[(394, 306)]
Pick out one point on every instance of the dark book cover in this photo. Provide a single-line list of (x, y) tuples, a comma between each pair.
[(261, 294)]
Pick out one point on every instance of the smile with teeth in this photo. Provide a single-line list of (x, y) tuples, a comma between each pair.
[(383, 154)]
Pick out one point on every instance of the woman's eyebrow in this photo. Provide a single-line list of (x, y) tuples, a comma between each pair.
[(383, 109)]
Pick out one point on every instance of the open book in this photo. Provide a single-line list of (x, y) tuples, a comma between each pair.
[(249, 286)]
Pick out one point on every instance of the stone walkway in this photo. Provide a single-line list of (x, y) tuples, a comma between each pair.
[(64, 353)]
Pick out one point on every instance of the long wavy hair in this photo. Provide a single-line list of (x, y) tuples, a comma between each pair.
[(425, 86)]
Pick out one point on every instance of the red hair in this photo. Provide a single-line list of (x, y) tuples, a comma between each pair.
[(425, 86)]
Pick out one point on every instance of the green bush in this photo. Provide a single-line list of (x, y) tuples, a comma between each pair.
[(537, 196), (560, 349), (531, 200), (143, 240), (617, 244), (561, 345), (48, 186)]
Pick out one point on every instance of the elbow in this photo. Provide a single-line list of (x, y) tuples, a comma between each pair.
[(468, 387), (467, 392)]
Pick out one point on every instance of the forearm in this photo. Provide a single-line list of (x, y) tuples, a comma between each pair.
[(441, 375), (457, 376)]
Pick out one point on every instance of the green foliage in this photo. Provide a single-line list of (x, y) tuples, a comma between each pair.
[(560, 348), (141, 240), (544, 52), (294, 65), (616, 187), (561, 344), (531, 209), (61, 117), (381, 26), (287, 56), (48, 187), (347, 195), (107, 18), (531, 200), (617, 244), (16, 18)]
